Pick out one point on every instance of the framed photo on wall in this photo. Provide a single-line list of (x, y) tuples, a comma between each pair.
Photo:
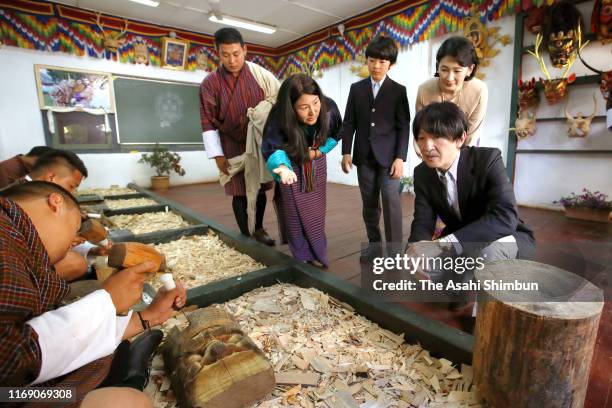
[(174, 53), (66, 89)]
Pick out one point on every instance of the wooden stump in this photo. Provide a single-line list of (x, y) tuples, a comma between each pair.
[(534, 348), (213, 364)]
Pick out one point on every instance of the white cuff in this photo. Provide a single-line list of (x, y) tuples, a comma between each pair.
[(84, 248), (77, 334), (212, 143), (453, 240)]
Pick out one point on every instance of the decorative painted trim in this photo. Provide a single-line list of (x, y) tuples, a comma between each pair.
[(46, 26)]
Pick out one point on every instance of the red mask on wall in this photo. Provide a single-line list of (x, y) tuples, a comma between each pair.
[(601, 19), (535, 19), (528, 94)]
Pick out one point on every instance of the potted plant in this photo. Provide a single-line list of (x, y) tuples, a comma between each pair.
[(590, 206), (163, 162), (405, 184)]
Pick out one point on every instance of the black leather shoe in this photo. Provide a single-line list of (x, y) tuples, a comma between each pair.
[(368, 254), (141, 351), (262, 236)]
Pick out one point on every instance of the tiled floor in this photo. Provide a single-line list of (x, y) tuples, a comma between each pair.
[(346, 232)]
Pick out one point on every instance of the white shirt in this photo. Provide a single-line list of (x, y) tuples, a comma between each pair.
[(212, 143), (376, 85), (84, 248), (77, 334), (449, 179)]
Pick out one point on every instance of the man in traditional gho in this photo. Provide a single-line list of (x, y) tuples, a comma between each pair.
[(225, 97)]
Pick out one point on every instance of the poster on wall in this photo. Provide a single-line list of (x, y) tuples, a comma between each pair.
[(66, 88), (174, 53)]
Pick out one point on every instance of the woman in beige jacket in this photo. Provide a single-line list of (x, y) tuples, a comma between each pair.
[(455, 81)]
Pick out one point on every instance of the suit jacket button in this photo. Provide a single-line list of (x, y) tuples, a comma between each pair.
[(372, 124), (373, 110)]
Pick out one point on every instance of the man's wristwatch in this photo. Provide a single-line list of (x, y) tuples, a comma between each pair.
[(145, 323)]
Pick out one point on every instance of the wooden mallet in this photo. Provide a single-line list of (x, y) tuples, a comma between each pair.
[(127, 254), (94, 232)]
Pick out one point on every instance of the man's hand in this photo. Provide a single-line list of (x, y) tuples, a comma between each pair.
[(397, 169), (222, 164), (125, 286), (101, 250), (165, 303), (347, 163), (429, 249), (287, 176)]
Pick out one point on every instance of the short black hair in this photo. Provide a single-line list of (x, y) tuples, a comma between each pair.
[(228, 35), (60, 157), (37, 189), (383, 48), (441, 119), (38, 151), (461, 49)]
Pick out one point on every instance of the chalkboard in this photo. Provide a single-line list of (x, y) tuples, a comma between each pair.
[(152, 111)]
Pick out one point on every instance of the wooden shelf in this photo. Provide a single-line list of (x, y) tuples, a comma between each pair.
[(580, 80), (596, 118), (518, 55)]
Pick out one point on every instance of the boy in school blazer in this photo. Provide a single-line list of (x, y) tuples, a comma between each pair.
[(377, 113)]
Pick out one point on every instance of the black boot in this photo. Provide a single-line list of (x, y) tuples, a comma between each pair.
[(239, 205), (141, 351)]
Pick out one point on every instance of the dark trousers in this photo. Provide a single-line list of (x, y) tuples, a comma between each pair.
[(374, 184), (239, 205)]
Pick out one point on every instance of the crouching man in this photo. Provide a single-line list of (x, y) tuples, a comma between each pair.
[(467, 187), (41, 343)]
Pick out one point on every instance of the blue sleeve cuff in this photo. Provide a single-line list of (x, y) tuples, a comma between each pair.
[(276, 159), (330, 143)]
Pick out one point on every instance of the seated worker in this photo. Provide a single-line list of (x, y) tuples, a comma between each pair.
[(70, 346), (60, 167), (467, 187), (18, 166), (67, 170)]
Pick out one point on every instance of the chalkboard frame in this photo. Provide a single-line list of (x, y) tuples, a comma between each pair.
[(150, 144)]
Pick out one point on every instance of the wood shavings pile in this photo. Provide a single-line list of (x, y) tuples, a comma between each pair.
[(200, 259), (129, 203), (326, 356), (105, 192), (148, 222)]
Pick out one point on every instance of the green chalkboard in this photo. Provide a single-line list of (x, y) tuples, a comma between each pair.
[(152, 111)]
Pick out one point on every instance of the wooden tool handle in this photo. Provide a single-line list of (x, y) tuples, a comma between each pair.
[(127, 254), (93, 231)]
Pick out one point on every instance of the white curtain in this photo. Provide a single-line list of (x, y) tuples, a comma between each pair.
[(52, 110)]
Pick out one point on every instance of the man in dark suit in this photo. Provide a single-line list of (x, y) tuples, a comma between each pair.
[(377, 111), (467, 187)]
